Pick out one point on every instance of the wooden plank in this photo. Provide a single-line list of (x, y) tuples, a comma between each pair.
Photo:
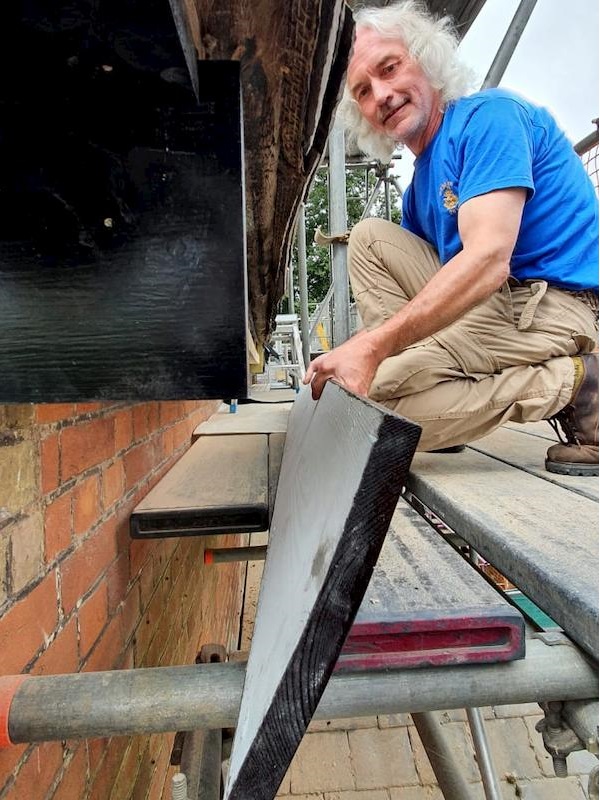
[(526, 450), (344, 463), (220, 485), (122, 271), (249, 418), (543, 537), (426, 605), (264, 394), (541, 429), (254, 574)]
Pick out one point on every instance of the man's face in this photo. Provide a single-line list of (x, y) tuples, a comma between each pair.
[(392, 91)]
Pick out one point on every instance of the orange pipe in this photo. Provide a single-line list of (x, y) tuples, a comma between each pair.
[(8, 688)]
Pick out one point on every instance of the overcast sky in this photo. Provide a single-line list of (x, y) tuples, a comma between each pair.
[(555, 63)]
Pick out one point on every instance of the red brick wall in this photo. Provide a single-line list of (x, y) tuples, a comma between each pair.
[(76, 594)]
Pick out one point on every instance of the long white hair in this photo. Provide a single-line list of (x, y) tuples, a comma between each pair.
[(431, 43)]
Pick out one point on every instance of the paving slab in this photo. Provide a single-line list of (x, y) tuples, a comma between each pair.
[(453, 715), (422, 765), (456, 736), (299, 797), (382, 758), (549, 789), (286, 784), (522, 710), (394, 721), (513, 749), (416, 793), (369, 794), (322, 764)]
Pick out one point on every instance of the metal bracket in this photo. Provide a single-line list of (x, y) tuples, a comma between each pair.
[(559, 737), (325, 239)]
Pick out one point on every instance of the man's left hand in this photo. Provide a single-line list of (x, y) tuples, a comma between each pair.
[(352, 364)]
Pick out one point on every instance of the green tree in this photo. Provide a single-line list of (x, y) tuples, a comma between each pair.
[(359, 185)]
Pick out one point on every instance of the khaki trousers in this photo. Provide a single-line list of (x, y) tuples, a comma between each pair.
[(507, 359)]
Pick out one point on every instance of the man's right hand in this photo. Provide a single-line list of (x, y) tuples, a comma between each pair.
[(352, 365)]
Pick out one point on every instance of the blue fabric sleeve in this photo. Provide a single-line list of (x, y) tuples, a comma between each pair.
[(496, 149)]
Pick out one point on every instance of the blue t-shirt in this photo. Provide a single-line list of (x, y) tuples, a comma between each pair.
[(497, 140)]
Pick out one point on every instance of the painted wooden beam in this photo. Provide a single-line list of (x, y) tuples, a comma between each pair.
[(122, 240), (344, 465)]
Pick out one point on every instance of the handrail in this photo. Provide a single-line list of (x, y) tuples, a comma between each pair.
[(585, 144)]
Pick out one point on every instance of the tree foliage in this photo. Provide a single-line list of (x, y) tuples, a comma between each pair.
[(359, 185)]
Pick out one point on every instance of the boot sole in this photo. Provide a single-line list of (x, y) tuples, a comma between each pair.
[(566, 468)]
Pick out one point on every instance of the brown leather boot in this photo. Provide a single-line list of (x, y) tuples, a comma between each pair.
[(578, 452)]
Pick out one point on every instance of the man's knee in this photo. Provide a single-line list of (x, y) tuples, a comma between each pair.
[(379, 241), (370, 230), (367, 232)]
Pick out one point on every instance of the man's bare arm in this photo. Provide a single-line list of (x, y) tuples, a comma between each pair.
[(488, 226)]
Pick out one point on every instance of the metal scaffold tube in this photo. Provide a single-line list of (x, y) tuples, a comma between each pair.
[(441, 756), (509, 43), (303, 285), (491, 786), (44, 708), (338, 222)]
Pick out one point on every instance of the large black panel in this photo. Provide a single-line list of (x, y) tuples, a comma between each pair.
[(122, 272)]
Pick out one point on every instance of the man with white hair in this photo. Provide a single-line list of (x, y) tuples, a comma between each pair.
[(482, 307)]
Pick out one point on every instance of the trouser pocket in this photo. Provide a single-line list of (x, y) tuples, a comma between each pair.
[(472, 356)]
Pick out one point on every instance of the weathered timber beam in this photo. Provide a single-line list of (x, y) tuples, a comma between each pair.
[(463, 12), (293, 62)]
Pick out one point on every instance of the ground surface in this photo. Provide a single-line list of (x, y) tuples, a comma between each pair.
[(381, 758)]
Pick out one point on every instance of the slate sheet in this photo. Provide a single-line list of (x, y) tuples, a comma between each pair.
[(344, 464)]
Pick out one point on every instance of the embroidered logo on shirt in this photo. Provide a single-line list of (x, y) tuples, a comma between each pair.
[(449, 198)]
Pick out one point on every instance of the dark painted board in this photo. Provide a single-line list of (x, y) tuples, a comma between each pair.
[(425, 606), (220, 485), (122, 273), (344, 464), (543, 537)]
